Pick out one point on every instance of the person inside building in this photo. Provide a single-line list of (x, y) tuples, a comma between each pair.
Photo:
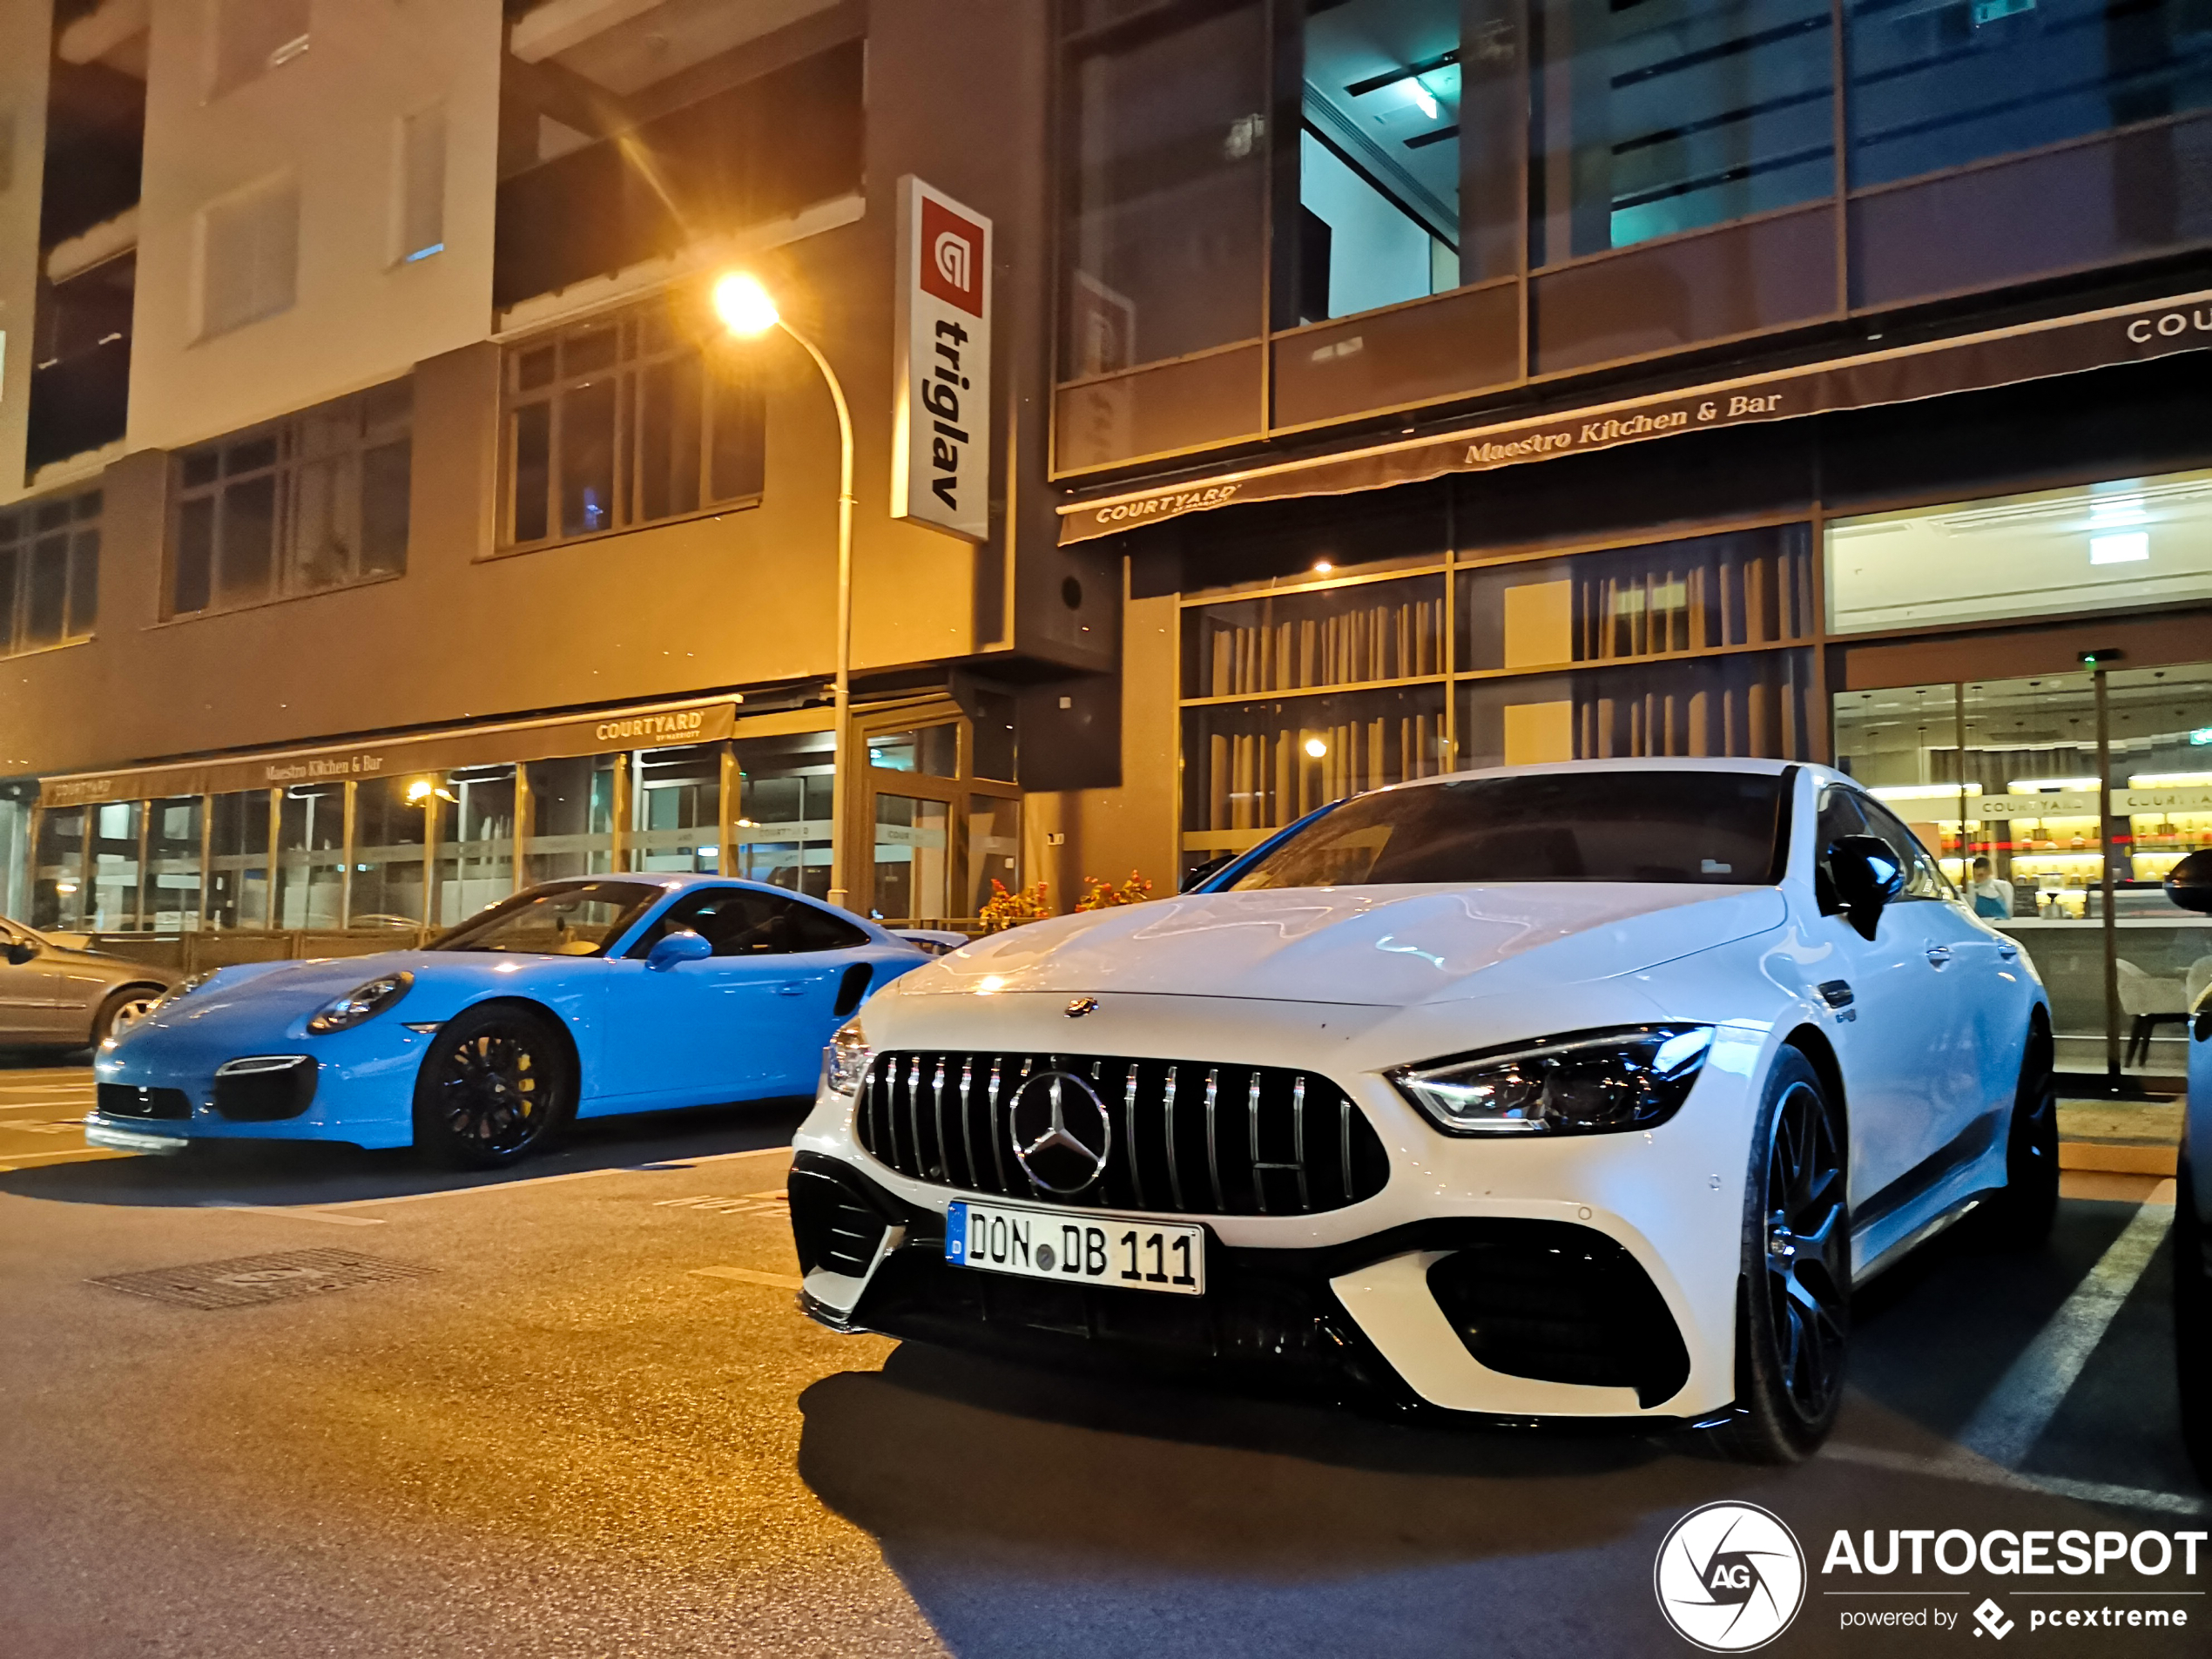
[(1989, 896)]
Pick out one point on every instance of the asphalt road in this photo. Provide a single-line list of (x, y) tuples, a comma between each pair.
[(573, 1410)]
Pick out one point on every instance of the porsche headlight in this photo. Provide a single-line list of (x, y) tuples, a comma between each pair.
[(363, 1003), (847, 1059), (1590, 1083)]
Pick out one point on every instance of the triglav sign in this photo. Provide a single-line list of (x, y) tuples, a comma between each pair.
[(940, 449)]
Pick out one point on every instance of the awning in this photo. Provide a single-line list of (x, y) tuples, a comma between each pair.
[(651, 727), (1904, 374)]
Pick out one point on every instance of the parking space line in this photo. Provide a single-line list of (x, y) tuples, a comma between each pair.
[(1979, 1472), (548, 1180), (77, 1154), (747, 1276), (2006, 1426), (290, 1214)]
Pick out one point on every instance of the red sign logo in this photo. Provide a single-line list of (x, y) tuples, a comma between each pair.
[(952, 258)]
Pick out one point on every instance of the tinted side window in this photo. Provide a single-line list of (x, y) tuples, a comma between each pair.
[(735, 921), (813, 929)]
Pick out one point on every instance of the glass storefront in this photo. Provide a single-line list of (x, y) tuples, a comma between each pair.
[(786, 790)]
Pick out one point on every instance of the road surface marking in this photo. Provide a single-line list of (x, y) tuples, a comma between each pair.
[(35, 1160), (290, 1214), (2006, 1426), (747, 1276), (547, 1180), (1950, 1466)]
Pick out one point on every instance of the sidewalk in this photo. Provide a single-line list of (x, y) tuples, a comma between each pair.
[(2119, 1149)]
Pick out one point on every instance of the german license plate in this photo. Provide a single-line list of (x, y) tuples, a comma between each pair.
[(1078, 1250)]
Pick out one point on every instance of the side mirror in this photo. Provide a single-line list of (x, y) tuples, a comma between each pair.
[(2189, 884), (675, 948), (1199, 872), (21, 951), (1867, 875)]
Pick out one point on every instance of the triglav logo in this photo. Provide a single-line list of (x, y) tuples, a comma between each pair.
[(951, 250), (1729, 1577), (952, 258)]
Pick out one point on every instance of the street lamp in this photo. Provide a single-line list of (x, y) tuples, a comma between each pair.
[(747, 310)]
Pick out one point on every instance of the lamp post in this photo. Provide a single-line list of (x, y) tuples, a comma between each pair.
[(747, 311)]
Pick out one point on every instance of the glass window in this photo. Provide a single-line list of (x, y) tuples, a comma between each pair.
[(569, 919), (1717, 828), (1290, 642), (1252, 767), (912, 857), (172, 864), (994, 737), (572, 818), (933, 751), (1164, 192), (320, 501), (993, 848), (57, 883), (2128, 542), (476, 862), (251, 38), (1938, 86), (623, 420), (50, 572), (238, 868), (1748, 588), (1744, 704), (1669, 115), (390, 824), (785, 790), (311, 856), (1922, 879), (1379, 210), (676, 818), (737, 921), (115, 867)]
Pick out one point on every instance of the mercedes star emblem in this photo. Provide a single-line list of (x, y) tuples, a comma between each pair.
[(1081, 1006), (1060, 1131)]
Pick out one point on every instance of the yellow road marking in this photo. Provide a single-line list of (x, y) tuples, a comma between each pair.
[(748, 1276)]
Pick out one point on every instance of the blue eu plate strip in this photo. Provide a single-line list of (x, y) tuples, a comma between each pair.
[(957, 1233)]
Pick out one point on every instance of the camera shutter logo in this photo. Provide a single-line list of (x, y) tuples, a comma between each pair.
[(1729, 1577)]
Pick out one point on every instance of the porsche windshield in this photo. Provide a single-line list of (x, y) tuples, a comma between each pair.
[(574, 919), (1720, 827)]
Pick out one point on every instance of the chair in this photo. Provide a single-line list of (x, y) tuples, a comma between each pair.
[(2150, 1002)]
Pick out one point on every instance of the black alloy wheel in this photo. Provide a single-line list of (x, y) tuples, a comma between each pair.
[(496, 1084), (1793, 1320), (2020, 1217)]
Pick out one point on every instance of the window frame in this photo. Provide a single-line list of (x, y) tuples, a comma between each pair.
[(21, 535), (647, 338), (293, 459)]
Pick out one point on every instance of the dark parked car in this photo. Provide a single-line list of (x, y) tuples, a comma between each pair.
[(52, 995), (2190, 887)]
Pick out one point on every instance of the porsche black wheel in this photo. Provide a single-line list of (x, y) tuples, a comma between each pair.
[(497, 1084), (1793, 1312), (2020, 1216)]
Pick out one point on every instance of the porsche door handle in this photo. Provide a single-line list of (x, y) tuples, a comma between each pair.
[(791, 988), (1939, 954)]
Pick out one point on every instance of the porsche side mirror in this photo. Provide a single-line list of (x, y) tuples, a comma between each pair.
[(21, 951), (1867, 875), (675, 948), (2189, 884)]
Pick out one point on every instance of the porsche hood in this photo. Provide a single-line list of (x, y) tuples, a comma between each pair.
[(1382, 946)]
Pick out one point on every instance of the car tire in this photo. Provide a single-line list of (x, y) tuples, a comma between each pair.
[(498, 1083), (1793, 1301), (121, 1008), (2193, 1326), (2020, 1217)]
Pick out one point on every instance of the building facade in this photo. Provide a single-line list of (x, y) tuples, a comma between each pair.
[(387, 520), (1469, 382)]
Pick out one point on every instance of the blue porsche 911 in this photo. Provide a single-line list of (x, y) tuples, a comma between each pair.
[(573, 998)]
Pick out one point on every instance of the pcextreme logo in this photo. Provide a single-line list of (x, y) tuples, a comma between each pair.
[(1729, 1577)]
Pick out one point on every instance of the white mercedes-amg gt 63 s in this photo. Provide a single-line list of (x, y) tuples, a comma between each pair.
[(1584, 1090)]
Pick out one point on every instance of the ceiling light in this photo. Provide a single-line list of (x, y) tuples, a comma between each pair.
[(2126, 548), (2034, 785), (1422, 98), (1315, 747)]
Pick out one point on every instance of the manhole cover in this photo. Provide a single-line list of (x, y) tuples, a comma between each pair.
[(248, 1279)]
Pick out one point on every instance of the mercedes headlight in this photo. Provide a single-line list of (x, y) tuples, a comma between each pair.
[(1591, 1083), (363, 1003), (846, 1060)]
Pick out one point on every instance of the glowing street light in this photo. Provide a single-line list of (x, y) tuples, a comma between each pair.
[(748, 310)]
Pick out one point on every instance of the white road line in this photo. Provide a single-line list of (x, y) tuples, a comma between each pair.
[(747, 1276), (674, 1166), (1979, 1472), (2007, 1425), (292, 1214), (31, 1160)]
